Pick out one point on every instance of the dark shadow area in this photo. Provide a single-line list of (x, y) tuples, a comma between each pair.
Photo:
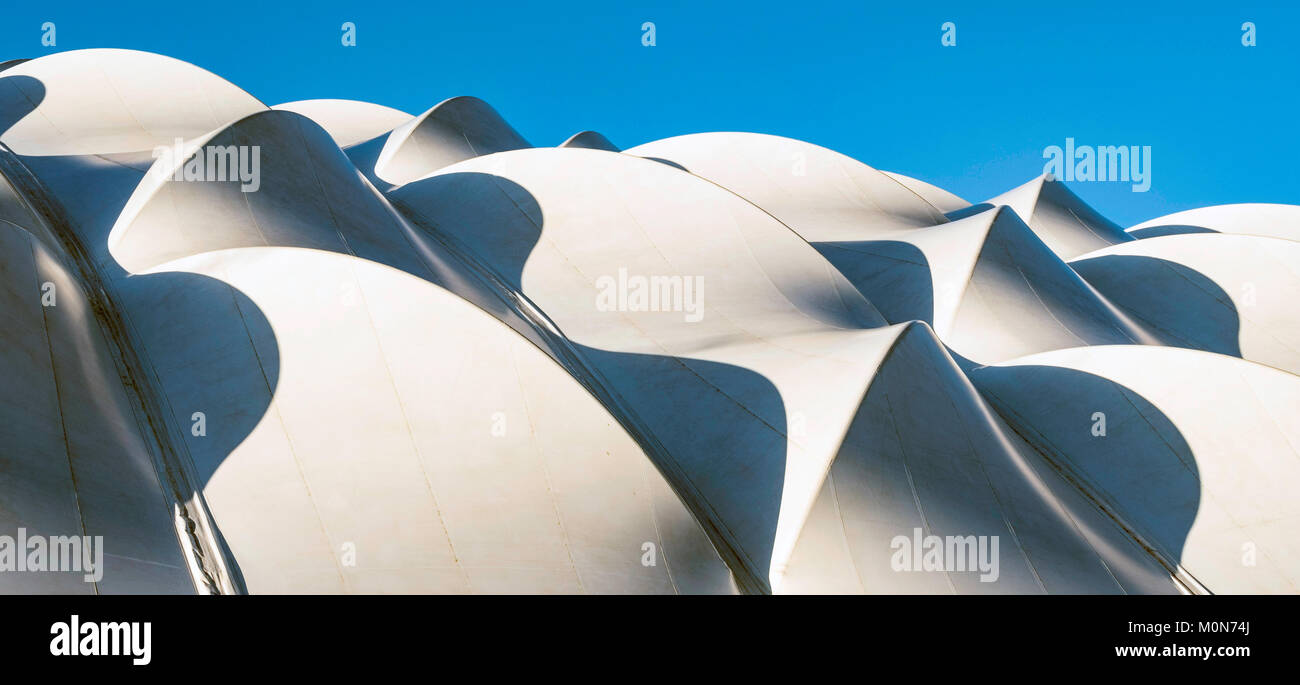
[(724, 429), (19, 96), (670, 163), (494, 218), (212, 350), (1056, 192), (968, 211), (365, 155), (964, 364), (1142, 468), (1185, 307), (1172, 229), (91, 214), (896, 277), (893, 275)]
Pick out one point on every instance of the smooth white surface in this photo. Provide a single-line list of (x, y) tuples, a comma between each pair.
[(941, 199), (349, 121), (1269, 220), (105, 101), (820, 193)]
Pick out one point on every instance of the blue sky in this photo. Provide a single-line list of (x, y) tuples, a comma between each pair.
[(869, 79)]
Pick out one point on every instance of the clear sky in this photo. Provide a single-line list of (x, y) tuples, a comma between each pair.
[(869, 79)]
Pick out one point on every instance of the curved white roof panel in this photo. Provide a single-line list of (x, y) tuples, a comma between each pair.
[(349, 121), (328, 347), (1269, 220), (104, 101)]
